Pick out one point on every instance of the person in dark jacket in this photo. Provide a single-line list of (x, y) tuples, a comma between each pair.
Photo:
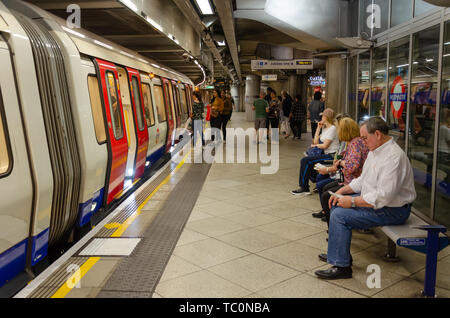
[(197, 116), (315, 108), (297, 117)]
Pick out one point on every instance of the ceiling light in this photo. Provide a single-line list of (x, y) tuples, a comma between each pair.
[(204, 6), (155, 65), (130, 5), (221, 43), (429, 60), (403, 65)]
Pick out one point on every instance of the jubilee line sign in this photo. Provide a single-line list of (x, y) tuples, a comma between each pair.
[(282, 64)]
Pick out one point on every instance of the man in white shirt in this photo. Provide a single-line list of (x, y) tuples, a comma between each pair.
[(382, 195)]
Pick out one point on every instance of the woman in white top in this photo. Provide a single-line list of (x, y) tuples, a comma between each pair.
[(328, 141)]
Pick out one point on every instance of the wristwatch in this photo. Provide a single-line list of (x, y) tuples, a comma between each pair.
[(353, 202)]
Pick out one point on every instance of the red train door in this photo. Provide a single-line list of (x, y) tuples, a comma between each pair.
[(176, 101), (141, 128), (170, 117), (117, 138)]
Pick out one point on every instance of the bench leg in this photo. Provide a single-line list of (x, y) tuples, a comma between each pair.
[(431, 264), (391, 254)]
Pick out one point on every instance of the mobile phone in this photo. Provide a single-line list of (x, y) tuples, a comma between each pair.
[(335, 194)]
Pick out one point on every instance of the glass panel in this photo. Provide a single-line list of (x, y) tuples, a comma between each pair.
[(352, 71), (421, 7), (363, 86), (159, 100), (442, 207), (373, 16), (96, 108), (4, 154), (398, 89), (169, 90), (401, 11), (183, 101), (114, 106), (378, 95), (424, 81), (137, 103), (148, 105)]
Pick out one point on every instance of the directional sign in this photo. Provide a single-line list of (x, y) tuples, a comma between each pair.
[(269, 77), (282, 64)]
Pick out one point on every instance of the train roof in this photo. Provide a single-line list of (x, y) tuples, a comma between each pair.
[(94, 45)]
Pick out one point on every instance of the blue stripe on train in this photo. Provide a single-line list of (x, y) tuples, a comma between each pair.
[(88, 208), (156, 155), (13, 260), (40, 247)]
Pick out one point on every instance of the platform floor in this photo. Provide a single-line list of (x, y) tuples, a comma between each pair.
[(242, 234)]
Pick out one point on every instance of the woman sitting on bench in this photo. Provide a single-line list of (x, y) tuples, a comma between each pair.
[(329, 145), (350, 165)]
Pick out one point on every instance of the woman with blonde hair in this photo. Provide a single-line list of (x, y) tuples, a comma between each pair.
[(351, 164)]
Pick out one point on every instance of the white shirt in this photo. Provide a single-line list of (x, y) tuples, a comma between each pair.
[(444, 139), (330, 134), (387, 179)]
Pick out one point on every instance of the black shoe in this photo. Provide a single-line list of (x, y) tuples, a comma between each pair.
[(323, 219), (335, 272), (318, 215), (299, 191), (324, 258), (315, 190)]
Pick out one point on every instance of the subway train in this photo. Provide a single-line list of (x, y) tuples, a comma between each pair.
[(81, 121)]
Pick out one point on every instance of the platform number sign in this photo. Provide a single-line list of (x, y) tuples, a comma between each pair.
[(73, 21)]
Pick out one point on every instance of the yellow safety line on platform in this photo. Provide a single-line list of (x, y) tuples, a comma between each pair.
[(76, 277)]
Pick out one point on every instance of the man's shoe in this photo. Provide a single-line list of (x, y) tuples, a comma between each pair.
[(324, 258), (299, 191), (315, 190), (335, 272), (319, 215), (323, 219)]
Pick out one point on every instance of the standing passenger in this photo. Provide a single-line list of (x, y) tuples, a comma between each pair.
[(226, 112), (297, 116), (197, 116), (315, 108), (216, 109), (261, 108)]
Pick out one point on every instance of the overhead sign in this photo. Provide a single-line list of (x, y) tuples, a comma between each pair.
[(316, 81), (282, 64), (398, 97), (269, 77)]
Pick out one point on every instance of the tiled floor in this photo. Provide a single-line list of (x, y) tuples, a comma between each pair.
[(247, 236)]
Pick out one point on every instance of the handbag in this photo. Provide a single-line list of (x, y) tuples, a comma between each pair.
[(314, 152)]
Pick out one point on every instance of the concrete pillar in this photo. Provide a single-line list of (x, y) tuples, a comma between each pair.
[(336, 84), (252, 87), (293, 85), (236, 94)]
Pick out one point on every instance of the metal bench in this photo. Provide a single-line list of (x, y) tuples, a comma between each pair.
[(418, 235)]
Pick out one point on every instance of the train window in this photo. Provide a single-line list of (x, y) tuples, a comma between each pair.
[(169, 100), (4, 149), (183, 101), (148, 105), (137, 103), (114, 106), (96, 108), (159, 100)]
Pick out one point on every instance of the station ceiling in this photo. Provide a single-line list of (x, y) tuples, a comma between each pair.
[(253, 37)]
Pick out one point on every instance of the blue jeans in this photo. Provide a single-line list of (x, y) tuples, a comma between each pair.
[(343, 221), (321, 181), (307, 166)]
